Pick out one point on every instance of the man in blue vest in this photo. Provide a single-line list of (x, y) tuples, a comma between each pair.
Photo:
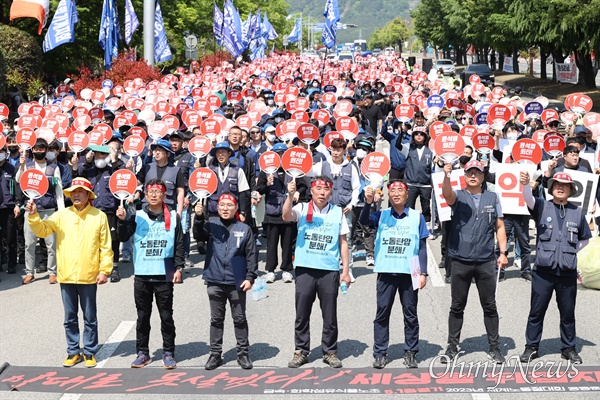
[(229, 270), (401, 236), (158, 261), (46, 205), (476, 216), (321, 242), (562, 232)]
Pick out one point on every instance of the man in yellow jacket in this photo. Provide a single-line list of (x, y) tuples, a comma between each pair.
[(84, 260)]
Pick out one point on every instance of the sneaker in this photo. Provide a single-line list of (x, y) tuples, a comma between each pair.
[(517, 263), (169, 361), (450, 355), (244, 361), (298, 360), (28, 279), (141, 360), (352, 278), (114, 276), (370, 260), (72, 360), (270, 277), (526, 276), (126, 257), (380, 362), (447, 280), (571, 355), (332, 360), (287, 277), (529, 354), (410, 359), (214, 362), (12, 270), (502, 276), (258, 243), (201, 248), (188, 263), (90, 361), (52, 279), (41, 270), (496, 356)]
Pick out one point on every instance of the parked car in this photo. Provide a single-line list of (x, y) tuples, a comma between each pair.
[(376, 52), (482, 70), (445, 64), (346, 55)]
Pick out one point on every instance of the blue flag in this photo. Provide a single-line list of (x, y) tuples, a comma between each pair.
[(232, 30), (296, 33), (246, 31), (109, 32), (258, 44), (62, 27), (131, 21), (268, 30), (162, 51), (332, 17), (218, 24)]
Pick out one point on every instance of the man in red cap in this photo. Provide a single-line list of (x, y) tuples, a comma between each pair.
[(84, 260), (476, 217), (562, 232)]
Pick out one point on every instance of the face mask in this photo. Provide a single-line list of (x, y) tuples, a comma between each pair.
[(5, 131), (360, 154), (51, 156), (271, 138), (2, 157), (512, 136), (16, 128), (13, 149), (270, 102), (70, 154), (464, 159), (315, 84), (39, 156), (101, 163)]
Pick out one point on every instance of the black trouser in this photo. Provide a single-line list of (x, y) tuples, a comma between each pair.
[(218, 296), (519, 224), (387, 287), (114, 237), (8, 230), (425, 195), (285, 234), (163, 292), (311, 283), (485, 279), (444, 245), (21, 235), (542, 286), (362, 233)]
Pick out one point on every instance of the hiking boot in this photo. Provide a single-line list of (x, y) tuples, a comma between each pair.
[(287, 277), (298, 360), (380, 362), (114, 276), (214, 361), (90, 361), (52, 279), (244, 361), (526, 276), (450, 355), (169, 361), (28, 279), (270, 277), (571, 355), (529, 354), (496, 356), (410, 359), (141, 360), (72, 359), (332, 360)]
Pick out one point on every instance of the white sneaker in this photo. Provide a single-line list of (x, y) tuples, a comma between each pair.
[(287, 277), (352, 279), (517, 263), (258, 243), (270, 277), (370, 261), (188, 263)]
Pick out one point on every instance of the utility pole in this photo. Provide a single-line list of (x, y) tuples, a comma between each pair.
[(149, 10)]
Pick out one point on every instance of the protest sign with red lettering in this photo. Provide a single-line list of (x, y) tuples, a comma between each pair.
[(302, 103), (280, 99), (134, 145), (374, 167), (437, 128), (214, 101), (210, 128), (199, 146), (581, 103), (29, 121), (122, 184), (4, 111), (249, 94), (347, 126), (297, 162), (203, 182), (322, 116), (454, 105), (527, 151), (404, 112), (449, 146), (468, 131), (300, 115), (308, 133), (549, 115), (78, 141), (329, 136), (286, 130), (554, 145), (26, 138), (590, 119), (457, 181), (82, 122), (34, 183), (157, 130), (244, 122), (342, 108), (67, 103), (568, 117), (269, 162), (96, 137), (509, 189), (191, 118), (2, 141), (328, 99), (498, 116), (234, 96), (483, 142)]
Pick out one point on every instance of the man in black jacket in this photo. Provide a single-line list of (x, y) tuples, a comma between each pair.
[(229, 270)]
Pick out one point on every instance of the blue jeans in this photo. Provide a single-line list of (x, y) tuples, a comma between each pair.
[(72, 296)]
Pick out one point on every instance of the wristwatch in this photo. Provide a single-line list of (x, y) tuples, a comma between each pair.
[(505, 252)]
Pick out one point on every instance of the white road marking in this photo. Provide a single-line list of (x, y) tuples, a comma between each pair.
[(435, 276), (111, 344), (481, 396)]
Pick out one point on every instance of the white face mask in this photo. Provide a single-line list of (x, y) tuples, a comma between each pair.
[(271, 138), (512, 136), (270, 102), (2, 156), (6, 130), (51, 156), (101, 163), (360, 154)]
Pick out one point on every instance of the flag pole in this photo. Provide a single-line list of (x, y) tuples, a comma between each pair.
[(149, 10)]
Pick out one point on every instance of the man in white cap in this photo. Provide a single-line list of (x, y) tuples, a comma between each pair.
[(562, 232), (84, 261)]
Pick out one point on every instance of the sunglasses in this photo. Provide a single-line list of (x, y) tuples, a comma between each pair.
[(418, 134)]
